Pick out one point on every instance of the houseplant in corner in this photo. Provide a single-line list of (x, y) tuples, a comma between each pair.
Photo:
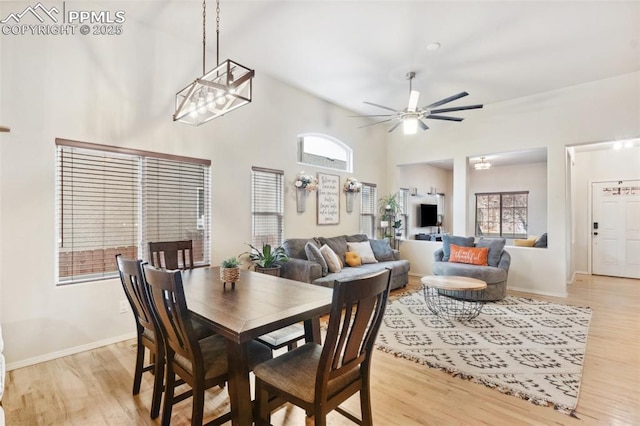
[(230, 270), (268, 260)]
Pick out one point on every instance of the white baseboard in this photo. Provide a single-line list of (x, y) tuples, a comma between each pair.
[(69, 351), (563, 294)]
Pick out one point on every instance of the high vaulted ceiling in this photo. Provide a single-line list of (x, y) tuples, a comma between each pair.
[(353, 51)]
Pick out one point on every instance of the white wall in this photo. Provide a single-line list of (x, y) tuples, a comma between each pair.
[(120, 91), (594, 166), (602, 110), (523, 177), (425, 179)]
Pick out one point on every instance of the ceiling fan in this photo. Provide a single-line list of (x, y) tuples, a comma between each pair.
[(412, 116)]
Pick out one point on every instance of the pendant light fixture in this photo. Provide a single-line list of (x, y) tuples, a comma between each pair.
[(483, 164), (226, 87)]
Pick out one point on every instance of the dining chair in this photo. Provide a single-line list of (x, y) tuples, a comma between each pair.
[(167, 254), (319, 378), (202, 364), (148, 335)]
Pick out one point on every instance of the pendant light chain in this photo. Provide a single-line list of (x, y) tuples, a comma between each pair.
[(204, 34), (217, 32)]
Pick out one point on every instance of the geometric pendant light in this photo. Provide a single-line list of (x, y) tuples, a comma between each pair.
[(483, 164), (226, 87)]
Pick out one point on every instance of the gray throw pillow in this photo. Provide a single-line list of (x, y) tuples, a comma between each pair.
[(541, 242), (381, 250), (314, 255), (496, 245), (447, 240), (337, 244)]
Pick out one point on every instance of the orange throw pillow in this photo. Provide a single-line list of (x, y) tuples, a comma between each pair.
[(470, 255), (353, 259)]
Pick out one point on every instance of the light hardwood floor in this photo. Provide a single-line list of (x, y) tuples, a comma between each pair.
[(94, 387)]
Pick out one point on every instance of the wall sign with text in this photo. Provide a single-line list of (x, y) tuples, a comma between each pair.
[(328, 199)]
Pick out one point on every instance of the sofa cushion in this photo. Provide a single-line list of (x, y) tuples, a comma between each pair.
[(364, 251), (337, 244), (471, 255), (333, 262), (381, 250), (353, 259), (398, 268), (453, 239), (315, 255), (294, 247), (496, 245), (488, 274), (357, 238)]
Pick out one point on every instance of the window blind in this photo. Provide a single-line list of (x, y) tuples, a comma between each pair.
[(175, 201), (267, 207), (403, 202), (112, 201), (368, 209)]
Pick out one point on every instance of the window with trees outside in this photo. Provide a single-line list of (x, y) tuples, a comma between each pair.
[(112, 200), (502, 214), (267, 207), (324, 151), (403, 202)]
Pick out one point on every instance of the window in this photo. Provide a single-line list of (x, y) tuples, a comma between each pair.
[(502, 214), (324, 151), (267, 207), (114, 201), (368, 209), (403, 202)]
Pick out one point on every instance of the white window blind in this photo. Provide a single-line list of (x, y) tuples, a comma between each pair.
[(368, 209), (114, 201), (267, 207), (174, 199), (403, 202)]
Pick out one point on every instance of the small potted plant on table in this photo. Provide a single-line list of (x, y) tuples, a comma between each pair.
[(230, 271), (268, 260)]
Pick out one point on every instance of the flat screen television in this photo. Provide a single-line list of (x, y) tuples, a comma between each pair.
[(428, 215)]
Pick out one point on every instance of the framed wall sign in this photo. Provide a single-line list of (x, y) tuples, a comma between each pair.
[(328, 199)]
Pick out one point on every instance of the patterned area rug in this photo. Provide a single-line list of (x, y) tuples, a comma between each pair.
[(523, 347)]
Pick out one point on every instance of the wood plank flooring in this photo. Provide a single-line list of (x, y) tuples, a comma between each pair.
[(94, 387)]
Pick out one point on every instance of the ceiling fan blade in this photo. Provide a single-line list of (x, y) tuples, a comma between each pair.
[(381, 106), (447, 100), (443, 117), (423, 125), (395, 126), (377, 115), (413, 100), (460, 108), (377, 122)]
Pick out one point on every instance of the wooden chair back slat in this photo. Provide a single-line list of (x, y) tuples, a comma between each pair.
[(171, 254)]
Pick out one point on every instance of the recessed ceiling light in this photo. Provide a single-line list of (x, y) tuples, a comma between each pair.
[(433, 46)]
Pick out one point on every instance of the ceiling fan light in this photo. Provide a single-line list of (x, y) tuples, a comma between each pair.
[(410, 126)]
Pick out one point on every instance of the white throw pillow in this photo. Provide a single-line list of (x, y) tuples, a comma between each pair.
[(364, 251), (330, 256)]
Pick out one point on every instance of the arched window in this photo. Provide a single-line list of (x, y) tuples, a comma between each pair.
[(324, 151)]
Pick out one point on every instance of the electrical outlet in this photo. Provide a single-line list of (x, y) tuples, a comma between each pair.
[(124, 306)]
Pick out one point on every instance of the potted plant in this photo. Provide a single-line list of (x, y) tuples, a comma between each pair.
[(230, 270), (268, 260)]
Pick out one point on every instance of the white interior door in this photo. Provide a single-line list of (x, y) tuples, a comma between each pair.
[(615, 228)]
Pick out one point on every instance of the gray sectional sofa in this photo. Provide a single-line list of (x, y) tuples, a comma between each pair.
[(494, 274), (300, 268)]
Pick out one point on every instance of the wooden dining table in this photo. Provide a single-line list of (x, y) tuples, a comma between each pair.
[(256, 305)]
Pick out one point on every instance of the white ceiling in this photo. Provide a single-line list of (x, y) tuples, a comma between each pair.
[(353, 51), (348, 52)]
